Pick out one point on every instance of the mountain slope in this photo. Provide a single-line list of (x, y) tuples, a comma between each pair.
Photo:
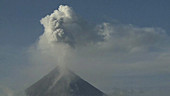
[(62, 83)]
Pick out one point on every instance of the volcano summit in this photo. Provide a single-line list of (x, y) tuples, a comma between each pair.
[(58, 83)]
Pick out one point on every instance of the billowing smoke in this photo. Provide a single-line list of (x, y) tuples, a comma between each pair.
[(68, 40), (67, 35), (64, 26), (64, 33)]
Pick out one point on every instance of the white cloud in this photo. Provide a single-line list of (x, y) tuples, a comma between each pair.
[(97, 52)]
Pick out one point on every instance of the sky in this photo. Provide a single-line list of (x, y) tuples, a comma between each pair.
[(122, 42), (150, 13)]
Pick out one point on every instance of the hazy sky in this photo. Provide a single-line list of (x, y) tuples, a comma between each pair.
[(135, 52), (21, 17)]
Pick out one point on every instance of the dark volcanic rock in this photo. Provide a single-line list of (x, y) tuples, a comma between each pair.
[(66, 83)]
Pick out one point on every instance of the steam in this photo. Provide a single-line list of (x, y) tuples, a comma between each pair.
[(70, 41), (64, 26), (64, 33), (68, 35)]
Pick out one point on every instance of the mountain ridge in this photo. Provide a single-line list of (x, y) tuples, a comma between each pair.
[(62, 82)]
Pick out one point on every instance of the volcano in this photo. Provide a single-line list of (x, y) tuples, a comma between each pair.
[(62, 83)]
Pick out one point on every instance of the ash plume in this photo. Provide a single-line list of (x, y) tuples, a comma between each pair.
[(67, 35), (70, 41), (65, 26)]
